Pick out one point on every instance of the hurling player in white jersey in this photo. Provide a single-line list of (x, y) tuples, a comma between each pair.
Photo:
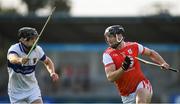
[(23, 86)]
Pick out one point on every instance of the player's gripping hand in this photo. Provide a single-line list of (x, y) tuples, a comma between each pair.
[(128, 62), (24, 60), (165, 66), (54, 77)]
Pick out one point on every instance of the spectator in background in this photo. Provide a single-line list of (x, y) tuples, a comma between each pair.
[(68, 76)]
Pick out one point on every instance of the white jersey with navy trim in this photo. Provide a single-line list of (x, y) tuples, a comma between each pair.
[(22, 77)]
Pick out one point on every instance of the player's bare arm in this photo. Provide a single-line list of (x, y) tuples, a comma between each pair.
[(153, 55), (13, 58), (113, 74), (50, 67)]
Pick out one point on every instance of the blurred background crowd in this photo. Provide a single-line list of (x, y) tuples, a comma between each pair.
[(75, 42)]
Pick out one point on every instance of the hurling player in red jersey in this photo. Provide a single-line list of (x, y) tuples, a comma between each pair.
[(124, 70)]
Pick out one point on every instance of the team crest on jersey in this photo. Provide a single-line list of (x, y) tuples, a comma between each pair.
[(129, 51), (34, 60)]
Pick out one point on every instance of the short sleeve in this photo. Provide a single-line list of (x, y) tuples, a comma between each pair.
[(140, 49), (13, 50), (107, 59), (41, 55)]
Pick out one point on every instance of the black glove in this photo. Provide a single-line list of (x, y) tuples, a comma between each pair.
[(127, 62)]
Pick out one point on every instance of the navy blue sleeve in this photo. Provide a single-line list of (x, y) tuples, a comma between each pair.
[(13, 52), (43, 57)]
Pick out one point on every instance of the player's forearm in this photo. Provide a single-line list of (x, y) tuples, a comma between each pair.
[(156, 57), (113, 76), (50, 66), (14, 59)]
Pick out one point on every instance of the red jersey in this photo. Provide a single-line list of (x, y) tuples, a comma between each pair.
[(129, 80)]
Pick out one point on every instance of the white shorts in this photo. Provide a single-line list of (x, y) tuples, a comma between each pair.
[(25, 97), (132, 97)]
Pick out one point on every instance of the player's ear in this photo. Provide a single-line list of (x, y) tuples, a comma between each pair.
[(22, 39)]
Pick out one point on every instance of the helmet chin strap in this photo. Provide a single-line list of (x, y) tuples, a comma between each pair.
[(119, 41)]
